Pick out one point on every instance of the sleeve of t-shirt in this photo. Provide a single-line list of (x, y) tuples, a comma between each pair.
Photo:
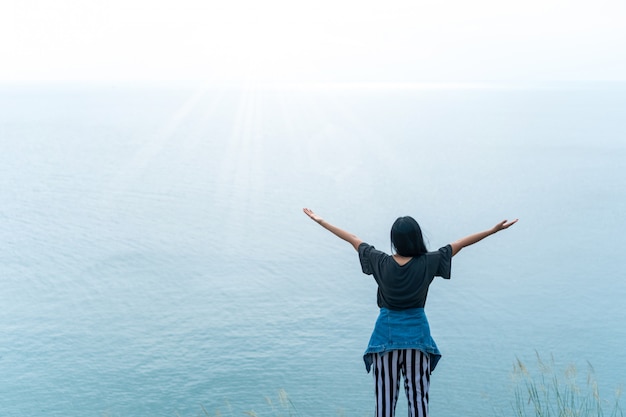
[(445, 262), (367, 253)]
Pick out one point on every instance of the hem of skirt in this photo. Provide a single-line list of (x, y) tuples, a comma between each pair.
[(369, 355)]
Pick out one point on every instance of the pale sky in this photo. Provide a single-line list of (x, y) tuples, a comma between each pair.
[(314, 41)]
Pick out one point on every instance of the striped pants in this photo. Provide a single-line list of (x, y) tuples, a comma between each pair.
[(414, 366)]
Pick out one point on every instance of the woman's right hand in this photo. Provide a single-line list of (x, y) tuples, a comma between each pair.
[(504, 224)]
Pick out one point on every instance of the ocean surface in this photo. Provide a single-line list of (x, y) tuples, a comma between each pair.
[(155, 260)]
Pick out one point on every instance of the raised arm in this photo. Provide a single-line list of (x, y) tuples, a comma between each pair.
[(477, 237), (340, 233)]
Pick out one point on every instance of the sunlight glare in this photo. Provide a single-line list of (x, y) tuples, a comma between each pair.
[(323, 41)]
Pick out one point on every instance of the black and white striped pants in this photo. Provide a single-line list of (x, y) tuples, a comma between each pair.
[(414, 366)]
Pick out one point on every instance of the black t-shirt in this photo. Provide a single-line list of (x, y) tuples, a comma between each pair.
[(406, 286)]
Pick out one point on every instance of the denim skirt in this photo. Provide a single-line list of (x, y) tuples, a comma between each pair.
[(401, 329)]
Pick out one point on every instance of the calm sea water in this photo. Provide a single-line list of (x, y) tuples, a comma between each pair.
[(155, 260)]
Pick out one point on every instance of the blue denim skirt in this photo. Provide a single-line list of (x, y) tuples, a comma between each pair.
[(401, 329)]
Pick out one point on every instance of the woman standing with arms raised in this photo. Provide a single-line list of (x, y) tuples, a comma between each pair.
[(401, 343)]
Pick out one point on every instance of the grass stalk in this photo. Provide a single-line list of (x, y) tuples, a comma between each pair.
[(553, 394)]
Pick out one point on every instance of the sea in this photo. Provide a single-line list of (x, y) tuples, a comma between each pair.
[(155, 259)]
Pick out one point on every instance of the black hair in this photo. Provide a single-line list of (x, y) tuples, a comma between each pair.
[(406, 237)]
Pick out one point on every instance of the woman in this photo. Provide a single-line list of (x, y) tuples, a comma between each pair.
[(401, 343)]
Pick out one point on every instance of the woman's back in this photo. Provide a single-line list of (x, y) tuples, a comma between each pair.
[(405, 286)]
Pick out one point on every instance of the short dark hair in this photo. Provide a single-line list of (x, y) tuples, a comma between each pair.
[(406, 237)]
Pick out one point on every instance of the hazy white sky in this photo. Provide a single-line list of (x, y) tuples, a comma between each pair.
[(319, 41)]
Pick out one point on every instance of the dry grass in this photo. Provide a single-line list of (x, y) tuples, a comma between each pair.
[(280, 407), (550, 393)]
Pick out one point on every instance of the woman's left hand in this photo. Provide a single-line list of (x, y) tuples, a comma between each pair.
[(312, 215)]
